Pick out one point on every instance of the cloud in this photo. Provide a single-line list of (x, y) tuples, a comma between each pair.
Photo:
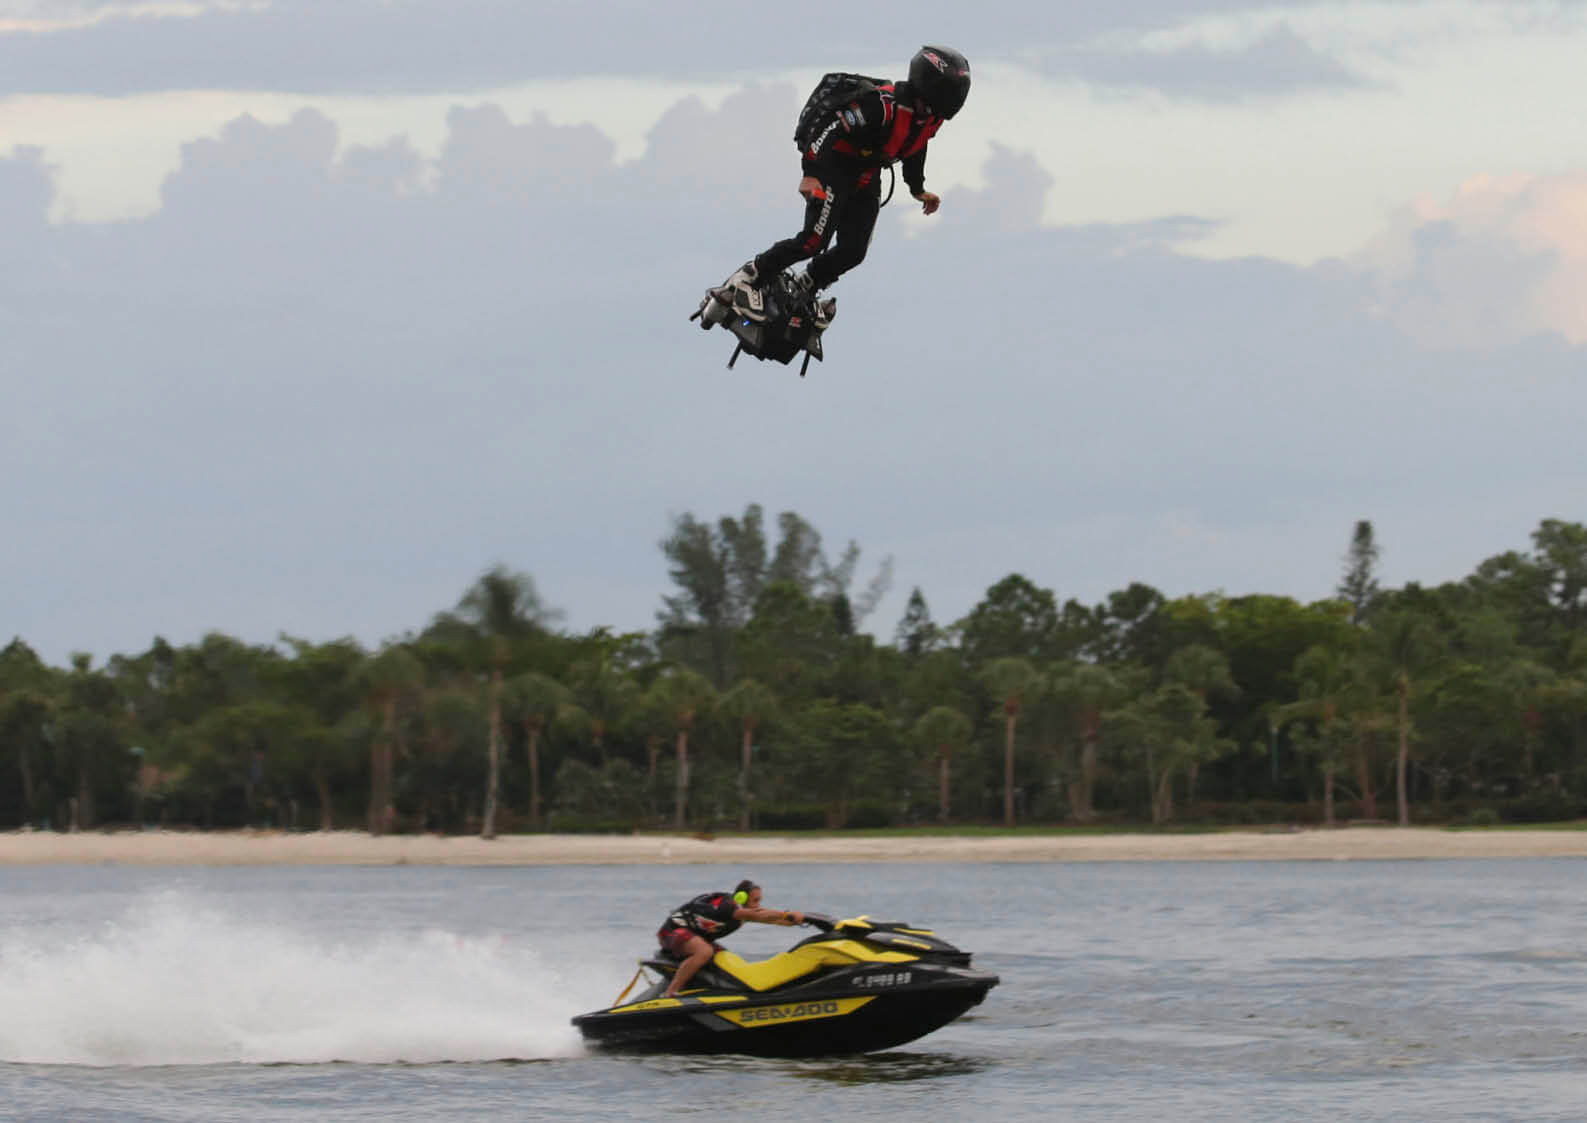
[(1505, 259), (488, 156), (363, 46), (27, 186), (1278, 63), (1015, 193), (322, 387), (250, 159)]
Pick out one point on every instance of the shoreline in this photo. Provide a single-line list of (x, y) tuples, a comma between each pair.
[(277, 848)]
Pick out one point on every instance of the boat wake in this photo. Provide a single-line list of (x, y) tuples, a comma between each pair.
[(175, 983)]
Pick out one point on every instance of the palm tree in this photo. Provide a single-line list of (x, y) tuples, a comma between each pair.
[(683, 696), (487, 827), (26, 704), (1204, 671), (1012, 682), (386, 680), (1406, 646), (506, 604), (1566, 695), (606, 693), (1083, 692), (500, 613), (535, 699), (1331, 691), (946, 731), (751, 703)]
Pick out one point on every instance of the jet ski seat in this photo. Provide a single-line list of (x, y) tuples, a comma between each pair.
[(767, 974)]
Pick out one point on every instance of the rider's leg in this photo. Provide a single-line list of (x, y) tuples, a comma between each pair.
[(697, 952), (854, 228), (822, 216)]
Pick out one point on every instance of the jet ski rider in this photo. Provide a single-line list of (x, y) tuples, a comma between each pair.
[(690, 932)]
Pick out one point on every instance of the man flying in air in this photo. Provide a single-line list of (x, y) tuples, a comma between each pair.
[(851, 129)]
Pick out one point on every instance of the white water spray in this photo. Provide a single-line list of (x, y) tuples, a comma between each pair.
[(176, 983)]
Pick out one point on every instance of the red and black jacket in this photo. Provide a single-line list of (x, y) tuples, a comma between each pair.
[(875, 130)]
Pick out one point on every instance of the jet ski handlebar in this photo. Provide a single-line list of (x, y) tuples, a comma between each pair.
[(821, 921)]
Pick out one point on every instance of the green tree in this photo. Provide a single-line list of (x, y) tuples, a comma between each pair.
[(614, 792), (1129, 627), (606, 690), (323, 680), (455, 722), (721, 573), (944, 731), (842, 751), (916, 635), (1205, 672), (1012, 683), (1406, 647), (1332, 689), (501, 617), (1561, 552), (1544, 591), (1080, 694), (26, 708), (1359, 585), (1014, 619), (89, 740), (387, 681), (792, 643), (534, 700), (683, 696), (749, 703), (1171, 729)]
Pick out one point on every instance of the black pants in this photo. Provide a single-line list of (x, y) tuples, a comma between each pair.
[(848, 214)]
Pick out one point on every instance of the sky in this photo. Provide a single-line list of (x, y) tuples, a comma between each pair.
[(311, 311)]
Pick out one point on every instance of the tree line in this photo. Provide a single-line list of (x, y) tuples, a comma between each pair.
[(759, 702)]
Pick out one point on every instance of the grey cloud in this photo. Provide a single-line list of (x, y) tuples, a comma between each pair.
[(307, 395), (393, 168), (26, 188), (1502, 261), (1017, 184), (26, 247), (250, 159), (459, 45), (1465, 289), (1279, 63)]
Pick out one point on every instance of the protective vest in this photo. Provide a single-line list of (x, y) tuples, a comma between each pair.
[(902, 136), (709, 915)]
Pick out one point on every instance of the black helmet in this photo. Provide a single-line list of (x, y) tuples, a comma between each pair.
[(940, 77)]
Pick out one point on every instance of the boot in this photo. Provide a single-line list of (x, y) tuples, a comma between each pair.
[(741, 292)]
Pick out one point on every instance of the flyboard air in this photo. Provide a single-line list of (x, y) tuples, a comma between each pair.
[(777, 320)]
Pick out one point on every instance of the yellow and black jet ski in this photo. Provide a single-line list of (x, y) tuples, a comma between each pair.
[(857, 986)]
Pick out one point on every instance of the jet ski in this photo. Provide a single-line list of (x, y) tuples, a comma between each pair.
[(857, 986)]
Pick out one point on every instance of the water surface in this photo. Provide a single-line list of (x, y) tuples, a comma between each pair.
[(1132, 990)]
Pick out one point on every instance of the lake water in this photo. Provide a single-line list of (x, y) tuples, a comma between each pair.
[(1131, 991)]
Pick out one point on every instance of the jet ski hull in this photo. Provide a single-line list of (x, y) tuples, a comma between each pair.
[(823, 1017)]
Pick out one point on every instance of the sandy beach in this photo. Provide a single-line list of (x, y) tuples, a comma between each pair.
[(264, 848)]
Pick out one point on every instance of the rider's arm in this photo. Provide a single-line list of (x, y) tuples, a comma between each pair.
[(913, 169), (786, 917)]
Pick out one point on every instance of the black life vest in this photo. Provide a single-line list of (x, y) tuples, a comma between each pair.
[(709, 915)]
